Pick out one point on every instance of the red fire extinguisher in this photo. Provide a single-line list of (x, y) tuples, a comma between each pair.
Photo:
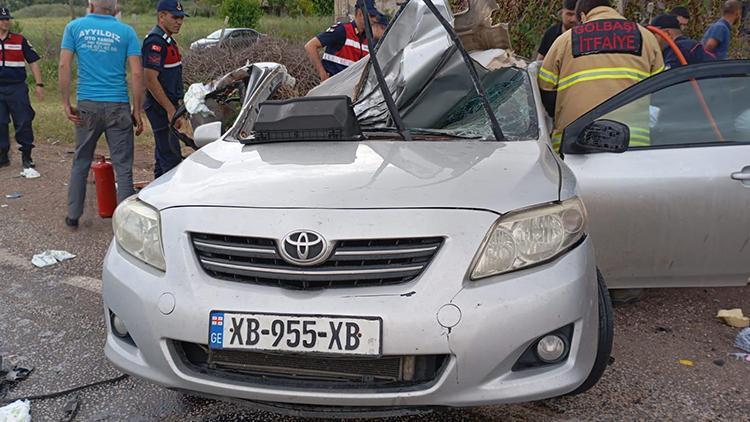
[(106, 194)]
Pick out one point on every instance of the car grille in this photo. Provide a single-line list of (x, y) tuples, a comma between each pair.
[(311, 371), (353, 263)]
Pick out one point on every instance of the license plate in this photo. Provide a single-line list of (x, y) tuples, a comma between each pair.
[(295, 333)]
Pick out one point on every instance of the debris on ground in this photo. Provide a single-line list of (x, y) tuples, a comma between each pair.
[(10, 373), (50, 257), (18, 411), (686, 362), (740, 356), (4, 206), (70, 410), (30, 173), (734, 318), (18, 373), (742, 341), (660, 329), (719, 362), (13, 195)]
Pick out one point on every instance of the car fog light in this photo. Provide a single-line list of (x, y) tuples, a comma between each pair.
[(118, 327), (550, 348)]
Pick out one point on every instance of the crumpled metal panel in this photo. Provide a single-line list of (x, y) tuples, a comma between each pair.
[(422, 68)]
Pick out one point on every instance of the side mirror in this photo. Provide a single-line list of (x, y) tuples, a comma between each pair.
[(604, 136), (207, 133)]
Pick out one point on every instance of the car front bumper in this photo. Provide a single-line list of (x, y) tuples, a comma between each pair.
[(500, 317)]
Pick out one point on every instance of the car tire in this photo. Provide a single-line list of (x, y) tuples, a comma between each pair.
[(606, 336)]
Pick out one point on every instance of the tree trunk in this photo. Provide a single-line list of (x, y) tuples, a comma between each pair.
[(72, 10), (340, 10)]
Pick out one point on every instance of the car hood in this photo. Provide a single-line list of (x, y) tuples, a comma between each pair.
[(204, 41), (496, 176)]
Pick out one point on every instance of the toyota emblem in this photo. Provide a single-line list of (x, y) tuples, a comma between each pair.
[(304, 247)]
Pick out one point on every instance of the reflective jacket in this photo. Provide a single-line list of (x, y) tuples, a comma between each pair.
[(15, 51), (354, 48), (594, 61)]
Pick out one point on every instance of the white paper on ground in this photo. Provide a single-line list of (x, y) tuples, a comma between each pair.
[(18, 411), (50, 257), (30, 173)]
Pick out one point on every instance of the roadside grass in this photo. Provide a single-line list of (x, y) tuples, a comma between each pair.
[(45, 33)]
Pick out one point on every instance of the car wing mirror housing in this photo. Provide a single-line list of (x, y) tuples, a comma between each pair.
[(602, 136), (207, 133)]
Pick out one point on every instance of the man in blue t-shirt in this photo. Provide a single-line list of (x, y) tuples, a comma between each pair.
[(103, 46), (719, 34)]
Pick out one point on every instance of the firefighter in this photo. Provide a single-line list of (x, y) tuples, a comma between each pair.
[(162, 64), (344, 43), (594, 61), (14, 93)]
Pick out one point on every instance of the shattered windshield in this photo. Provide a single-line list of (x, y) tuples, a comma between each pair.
[(509, 93)]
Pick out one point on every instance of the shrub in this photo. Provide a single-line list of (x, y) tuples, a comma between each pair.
[(48, 11), (323, 7), (242, 13), (296, 8)]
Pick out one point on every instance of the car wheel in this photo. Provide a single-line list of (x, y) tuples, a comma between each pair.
[(606, 336)]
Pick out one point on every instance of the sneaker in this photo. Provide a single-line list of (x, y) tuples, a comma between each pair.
[(71, 222), (4, 161), (26, 160)]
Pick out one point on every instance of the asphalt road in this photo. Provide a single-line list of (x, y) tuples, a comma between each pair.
[(52, 319)]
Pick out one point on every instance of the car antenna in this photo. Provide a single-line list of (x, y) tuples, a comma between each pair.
[(403, 131), (496, 130)]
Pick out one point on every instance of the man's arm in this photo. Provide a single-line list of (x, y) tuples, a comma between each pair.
[(311, 48), (63, 75), (539, 57), (37, 72), (156, 90), (711, 45), (136, 85)]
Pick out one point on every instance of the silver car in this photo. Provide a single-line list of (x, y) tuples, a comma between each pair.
[(374, 274), (232, 37)]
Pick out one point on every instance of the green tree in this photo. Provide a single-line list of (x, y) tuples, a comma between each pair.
[(323, 7), (242, 13)]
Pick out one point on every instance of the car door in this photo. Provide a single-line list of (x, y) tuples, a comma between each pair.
[(673, 210)]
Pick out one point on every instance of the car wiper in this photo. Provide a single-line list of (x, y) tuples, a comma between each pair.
[(402, 130), (429, 132), (496, 130)]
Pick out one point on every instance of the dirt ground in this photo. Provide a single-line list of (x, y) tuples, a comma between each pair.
[(645, 381)]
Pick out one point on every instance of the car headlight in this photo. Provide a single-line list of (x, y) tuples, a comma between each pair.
[(524, 238), (137, 230)]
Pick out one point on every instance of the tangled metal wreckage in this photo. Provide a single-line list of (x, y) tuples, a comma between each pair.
[(424, 69)]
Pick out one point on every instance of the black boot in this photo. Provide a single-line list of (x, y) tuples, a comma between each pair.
[(26, 160), (4, 161)]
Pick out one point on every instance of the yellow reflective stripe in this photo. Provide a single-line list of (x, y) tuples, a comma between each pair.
[(606, 69), (659, 70), (640, 130), (597, 77), (548, 76), (640, 144), (556, 140)]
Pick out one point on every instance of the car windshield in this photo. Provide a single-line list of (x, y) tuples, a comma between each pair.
[(509, 93), (216, 34)]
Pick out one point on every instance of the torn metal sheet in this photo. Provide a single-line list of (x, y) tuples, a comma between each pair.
[(252, 83), (423, 69)]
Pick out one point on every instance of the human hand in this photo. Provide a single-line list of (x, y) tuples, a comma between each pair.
[(137, 122), (39, 91), (72, 114)]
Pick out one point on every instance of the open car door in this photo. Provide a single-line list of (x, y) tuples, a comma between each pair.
[(673, 208)]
